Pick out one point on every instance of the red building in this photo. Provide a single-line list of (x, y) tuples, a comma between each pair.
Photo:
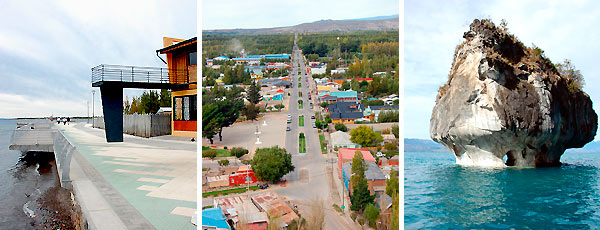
[(239, 177)]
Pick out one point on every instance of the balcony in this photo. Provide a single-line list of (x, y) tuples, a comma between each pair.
[(141, 77)]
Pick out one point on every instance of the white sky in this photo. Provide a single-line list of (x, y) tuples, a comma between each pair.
[(48, 48), (275, 13), (563, 29)]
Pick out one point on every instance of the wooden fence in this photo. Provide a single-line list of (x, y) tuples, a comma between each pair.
[(142, 125)]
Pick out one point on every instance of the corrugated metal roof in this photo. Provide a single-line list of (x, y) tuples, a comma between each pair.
[(372, 172)]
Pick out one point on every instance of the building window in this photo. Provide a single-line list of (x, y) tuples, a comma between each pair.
[(192, 60), (185, 108)]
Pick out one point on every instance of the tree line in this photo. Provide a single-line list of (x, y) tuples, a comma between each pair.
[(148, 103)]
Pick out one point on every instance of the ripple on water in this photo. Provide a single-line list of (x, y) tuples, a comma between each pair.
[(442, 195)]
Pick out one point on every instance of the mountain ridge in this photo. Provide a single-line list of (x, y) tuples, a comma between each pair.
[(360, 24)]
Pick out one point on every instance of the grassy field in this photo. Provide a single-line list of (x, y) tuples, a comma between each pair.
[(299, 85), (323, 147), (301, 121), (228, 191), (302, 141), (220, 152)]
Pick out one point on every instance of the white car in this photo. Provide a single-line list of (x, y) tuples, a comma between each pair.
[(379, 154)]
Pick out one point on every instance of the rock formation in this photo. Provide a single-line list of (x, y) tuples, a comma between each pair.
[(505, 99)]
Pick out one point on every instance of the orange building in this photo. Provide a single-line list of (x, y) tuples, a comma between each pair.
[(181, 61)]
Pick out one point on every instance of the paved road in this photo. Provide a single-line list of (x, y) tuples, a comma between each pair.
[(313, 176)]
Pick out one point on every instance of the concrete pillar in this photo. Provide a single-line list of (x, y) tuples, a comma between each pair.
[(112, 107)]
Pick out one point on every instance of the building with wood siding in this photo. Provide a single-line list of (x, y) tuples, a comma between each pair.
[(181, 55)]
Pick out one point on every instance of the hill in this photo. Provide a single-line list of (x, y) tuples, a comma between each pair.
[(423, 145), (373, 23)]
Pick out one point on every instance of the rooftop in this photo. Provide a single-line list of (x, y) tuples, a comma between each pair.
[(348, 153), (340, 138), (372, 172), (349, 93), (345, 110), (272, 203), (214, 217), (381, 107)]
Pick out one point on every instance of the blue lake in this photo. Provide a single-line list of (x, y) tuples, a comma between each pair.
[(442, 195)]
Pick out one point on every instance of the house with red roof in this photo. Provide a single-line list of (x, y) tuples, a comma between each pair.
[(346, 155)]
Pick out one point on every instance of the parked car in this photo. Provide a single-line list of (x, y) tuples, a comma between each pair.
[(314, 125), (263, 186), (289, 120), (312, 117), (379, 154), (288, 128)]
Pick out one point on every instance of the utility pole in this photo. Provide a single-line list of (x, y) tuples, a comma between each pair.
[(88, 111), (93, 93)]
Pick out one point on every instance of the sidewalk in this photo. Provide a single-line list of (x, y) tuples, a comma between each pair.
[(139, 184)]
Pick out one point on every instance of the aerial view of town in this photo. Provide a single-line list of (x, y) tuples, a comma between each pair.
[(300, 126)]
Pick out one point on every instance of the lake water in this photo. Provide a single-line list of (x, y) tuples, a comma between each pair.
[(442, 195), (23, 178)]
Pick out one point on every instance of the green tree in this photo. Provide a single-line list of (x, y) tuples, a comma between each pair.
[(391, 146), (392, 184), (279, 107), (388, 116), (365, 136), (358, 167), (395, 130), (371, 213), (209, 153), (238, 152), (341, 127), (126, 105), (395, 215), (211, 118), (354, 85), (272, 163), (361, 196), (345, 86), (573, 75), (253, 93), (251, 111), (324, 104), (223, 162), (149, 102), (165, 98), (229, 111)]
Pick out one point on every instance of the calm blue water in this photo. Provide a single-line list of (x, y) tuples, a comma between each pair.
[(442, 195)]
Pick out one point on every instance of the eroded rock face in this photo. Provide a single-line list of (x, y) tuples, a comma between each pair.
[(503, 98)]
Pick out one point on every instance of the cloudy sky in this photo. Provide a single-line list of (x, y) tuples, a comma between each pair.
[(563, 29), (275, 13), (47, 49)]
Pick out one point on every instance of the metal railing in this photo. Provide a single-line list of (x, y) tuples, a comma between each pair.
[(121, 73)]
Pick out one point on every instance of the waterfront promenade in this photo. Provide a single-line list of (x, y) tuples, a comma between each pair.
[(141, 183)]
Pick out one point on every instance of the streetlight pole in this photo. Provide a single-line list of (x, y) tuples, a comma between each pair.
[(93, 93)]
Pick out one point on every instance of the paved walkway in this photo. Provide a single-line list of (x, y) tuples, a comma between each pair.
[(242, 134), (155, 176)]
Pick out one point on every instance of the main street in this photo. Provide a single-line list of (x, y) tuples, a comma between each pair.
[(313, 177)]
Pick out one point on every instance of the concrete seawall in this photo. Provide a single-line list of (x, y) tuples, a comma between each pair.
[(75, 174)]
